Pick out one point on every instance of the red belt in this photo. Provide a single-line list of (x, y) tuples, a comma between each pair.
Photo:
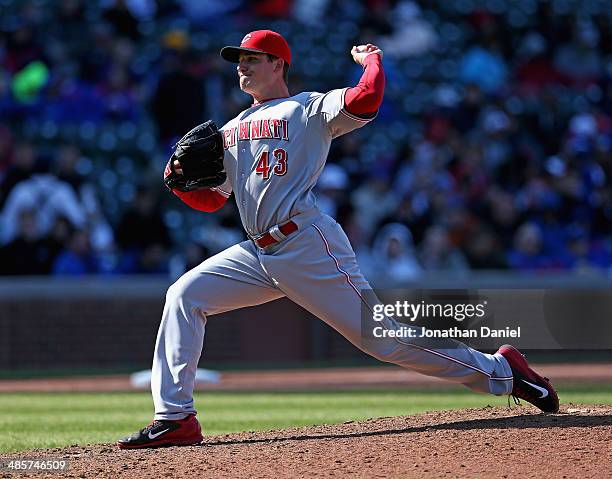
[(267, 239)]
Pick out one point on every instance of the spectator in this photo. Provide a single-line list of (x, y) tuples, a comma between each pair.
[(23, 48), (19, 170), (373, 200), (438, 253), (121, 18), (535, 69), (497, 147), (484, 66), (412, 34), (222, 233), (511, 122), (70, 18), (579, 58), (58, 238), (331, 189), (528, 253), (393, 256), (466, 116), (310, 12), (77, 258), (66, 162), (49, 196), (143, 236), (121, 101), (484, 250), (193, 254), (26, 253), (6, 153), (587, 255), (501, 212), (178, 102)]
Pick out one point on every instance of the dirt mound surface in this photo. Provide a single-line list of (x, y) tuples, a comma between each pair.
[(487, 442)]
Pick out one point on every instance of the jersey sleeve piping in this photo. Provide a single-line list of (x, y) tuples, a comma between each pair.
[(226, 194)]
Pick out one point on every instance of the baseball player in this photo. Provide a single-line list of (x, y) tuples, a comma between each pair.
[(273, 154)]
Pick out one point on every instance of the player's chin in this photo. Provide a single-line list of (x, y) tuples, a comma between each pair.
[(246, 85)]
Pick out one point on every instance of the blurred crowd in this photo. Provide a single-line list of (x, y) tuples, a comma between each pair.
[(492, 149)]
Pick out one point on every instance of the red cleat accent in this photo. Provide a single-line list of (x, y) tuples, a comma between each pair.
[(184, 432), (527, 384)]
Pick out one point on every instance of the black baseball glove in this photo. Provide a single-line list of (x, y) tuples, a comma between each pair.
[(200, 153)]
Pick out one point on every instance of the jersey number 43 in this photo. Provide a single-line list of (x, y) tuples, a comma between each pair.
[(266, 170)]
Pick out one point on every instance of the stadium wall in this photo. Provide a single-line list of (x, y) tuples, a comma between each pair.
[(111, 323)]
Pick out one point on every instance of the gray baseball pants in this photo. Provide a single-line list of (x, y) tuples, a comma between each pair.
[(316, 268)]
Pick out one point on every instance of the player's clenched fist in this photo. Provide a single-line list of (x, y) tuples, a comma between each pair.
[(178, 168), (359, 52)]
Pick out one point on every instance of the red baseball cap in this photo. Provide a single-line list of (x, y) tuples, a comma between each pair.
[(259, 41)]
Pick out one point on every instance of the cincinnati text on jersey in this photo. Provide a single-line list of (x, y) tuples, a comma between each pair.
[(256, 130)]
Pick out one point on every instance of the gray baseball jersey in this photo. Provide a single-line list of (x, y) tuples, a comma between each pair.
[(275, 152)]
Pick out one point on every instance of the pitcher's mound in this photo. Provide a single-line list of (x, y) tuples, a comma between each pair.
[(487, 442)]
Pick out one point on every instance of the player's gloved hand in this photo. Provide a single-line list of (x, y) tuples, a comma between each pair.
[(177, 167), (360, 52), (197, 161), (173, 174), (168, 170)]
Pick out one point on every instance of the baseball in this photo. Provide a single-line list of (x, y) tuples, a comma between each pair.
[(360, 52)]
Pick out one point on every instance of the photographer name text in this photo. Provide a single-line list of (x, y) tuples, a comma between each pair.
[(411, 332)]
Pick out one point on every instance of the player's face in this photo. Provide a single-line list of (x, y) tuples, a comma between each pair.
[(255, 72)]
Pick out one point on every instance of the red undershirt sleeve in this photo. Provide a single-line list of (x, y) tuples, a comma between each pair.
[(367, 96), (203, 199)]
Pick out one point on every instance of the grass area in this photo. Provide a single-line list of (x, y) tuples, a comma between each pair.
[(31, 420)]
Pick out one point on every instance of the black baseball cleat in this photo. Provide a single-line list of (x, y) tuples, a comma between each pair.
[(184, 432), (527, 384)]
